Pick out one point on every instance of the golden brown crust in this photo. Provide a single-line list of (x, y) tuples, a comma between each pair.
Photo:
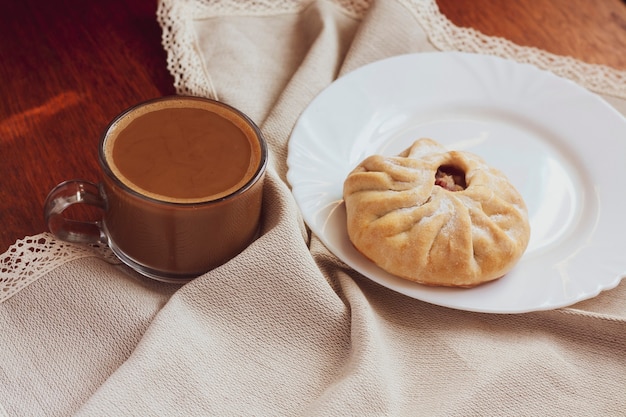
[(399, 219)]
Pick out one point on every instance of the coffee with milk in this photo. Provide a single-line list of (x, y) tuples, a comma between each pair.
[(181, 190)]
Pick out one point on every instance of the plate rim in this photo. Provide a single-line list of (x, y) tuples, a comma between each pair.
[(293, 182)]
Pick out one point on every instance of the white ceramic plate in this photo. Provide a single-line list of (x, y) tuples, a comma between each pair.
[(562, 147)]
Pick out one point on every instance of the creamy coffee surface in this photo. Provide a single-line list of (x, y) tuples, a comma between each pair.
[(183, 151)]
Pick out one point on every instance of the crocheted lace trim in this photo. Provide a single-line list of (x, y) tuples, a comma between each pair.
[(446, 36), (190, 77), (32, 257)]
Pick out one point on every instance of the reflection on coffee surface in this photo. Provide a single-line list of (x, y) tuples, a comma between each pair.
[(183, 154)]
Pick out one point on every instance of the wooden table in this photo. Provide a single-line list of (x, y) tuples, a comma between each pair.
[(68, 67)]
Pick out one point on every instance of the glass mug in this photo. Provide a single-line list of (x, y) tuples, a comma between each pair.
[(181, 188)]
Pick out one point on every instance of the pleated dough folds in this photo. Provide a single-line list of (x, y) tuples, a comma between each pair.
[(399, 219)]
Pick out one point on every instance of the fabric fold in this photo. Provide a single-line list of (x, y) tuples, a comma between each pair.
[(286, 328)]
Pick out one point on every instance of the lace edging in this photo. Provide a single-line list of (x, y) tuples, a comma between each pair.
[(32, 257), (178, 40), (190, 77), (183, 60), (446, 36)]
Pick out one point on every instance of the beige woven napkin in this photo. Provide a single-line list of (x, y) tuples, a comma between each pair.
[(286, 328)]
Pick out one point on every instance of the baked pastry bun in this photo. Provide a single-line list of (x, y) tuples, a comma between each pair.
[(435, 216)]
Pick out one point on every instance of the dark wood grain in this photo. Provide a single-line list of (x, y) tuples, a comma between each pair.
[(593, 31), (68, 67)]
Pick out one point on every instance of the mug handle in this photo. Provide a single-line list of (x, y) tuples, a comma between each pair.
[(65, 195)]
